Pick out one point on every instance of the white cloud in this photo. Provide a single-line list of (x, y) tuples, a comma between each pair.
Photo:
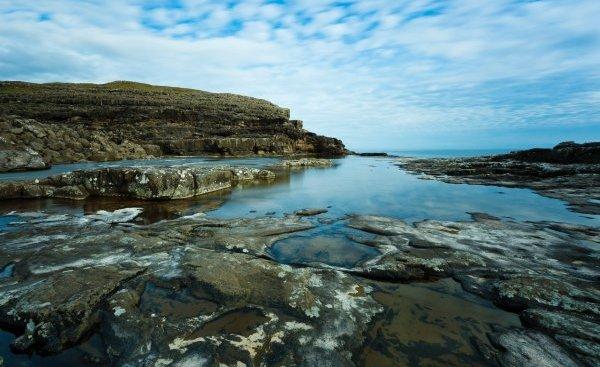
[(371, 72)]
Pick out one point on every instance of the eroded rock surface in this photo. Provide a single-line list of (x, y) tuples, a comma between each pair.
[(202, 290), (148, 183), (569, 172), (548, 272), (190, 291)]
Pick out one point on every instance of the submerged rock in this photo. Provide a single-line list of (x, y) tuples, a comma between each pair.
[(206, 290), (148, 183), (522, 267), (310, 212), (529, 348)]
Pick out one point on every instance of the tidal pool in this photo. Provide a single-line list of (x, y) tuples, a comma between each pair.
[(338, 251)]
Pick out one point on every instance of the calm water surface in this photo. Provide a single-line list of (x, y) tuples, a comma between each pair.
[(354, 185)]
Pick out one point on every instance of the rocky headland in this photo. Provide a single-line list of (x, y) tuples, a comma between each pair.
[(569, 172), (44, 124)]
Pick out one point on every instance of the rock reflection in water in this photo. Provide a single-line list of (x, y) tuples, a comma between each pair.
[(431, 324)]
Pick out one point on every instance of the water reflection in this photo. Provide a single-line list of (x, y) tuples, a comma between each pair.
[(353, 185)]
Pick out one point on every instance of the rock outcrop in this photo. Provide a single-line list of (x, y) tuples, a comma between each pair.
[(199, 290), (564, 153), (185, 292), (306, 162), (126, 120), (146, 183), (547, 272), (569, 172), (14, 159)]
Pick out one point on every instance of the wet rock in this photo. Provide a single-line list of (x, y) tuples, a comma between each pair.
[(207, 290), (58, 310), (117, 216), (191, 289), (574, 178), (530, 348), (307, 162), (139, 183), (586, 351), (564, 153), (562, 323), (526, 291), (520, 266), (372, 154), (310, 212)]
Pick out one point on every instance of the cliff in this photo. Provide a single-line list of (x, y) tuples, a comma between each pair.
[(126, 120)]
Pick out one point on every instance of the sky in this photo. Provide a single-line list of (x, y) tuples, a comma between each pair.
[(378, 74)]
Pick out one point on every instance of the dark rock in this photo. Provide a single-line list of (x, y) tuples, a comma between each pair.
[(19, 159), (187, 290), (562, 323), (563, 153), (519, 266), (372, 154)]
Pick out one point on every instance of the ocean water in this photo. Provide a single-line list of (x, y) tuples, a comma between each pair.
[(447, 153)]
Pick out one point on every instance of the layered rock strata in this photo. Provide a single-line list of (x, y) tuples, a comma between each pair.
[(125, 120)]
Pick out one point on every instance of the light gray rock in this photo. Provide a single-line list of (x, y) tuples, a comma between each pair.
[(532, 349), (145, 183), (20, 160)]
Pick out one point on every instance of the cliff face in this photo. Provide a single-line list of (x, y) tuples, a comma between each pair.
[(124, 120)]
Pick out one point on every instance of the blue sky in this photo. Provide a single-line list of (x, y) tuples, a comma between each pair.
[(379, 74)]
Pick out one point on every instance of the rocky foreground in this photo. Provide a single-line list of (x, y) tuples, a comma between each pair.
[(208, 291), (63, 123), (569, 172)]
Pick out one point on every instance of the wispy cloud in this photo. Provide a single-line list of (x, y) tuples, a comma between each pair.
[(375, 73)]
